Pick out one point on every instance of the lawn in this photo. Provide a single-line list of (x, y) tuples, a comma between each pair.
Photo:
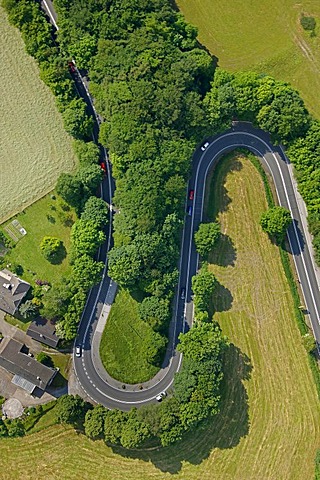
[(44, 217), (268, 427), (34, 147), (265, 36), (121, 347)]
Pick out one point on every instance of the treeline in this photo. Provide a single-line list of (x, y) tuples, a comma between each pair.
[(65, 302)]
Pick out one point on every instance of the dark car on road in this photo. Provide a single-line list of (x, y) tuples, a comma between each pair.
[(191, 194)]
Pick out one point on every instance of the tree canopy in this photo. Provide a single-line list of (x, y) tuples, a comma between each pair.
[(275, 222)]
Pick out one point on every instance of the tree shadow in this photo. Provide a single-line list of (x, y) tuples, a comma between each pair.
[(225, 253), (59, 256), (222, 299), (223, 431)]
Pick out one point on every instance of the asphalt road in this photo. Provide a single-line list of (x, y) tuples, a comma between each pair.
[(94, 380)]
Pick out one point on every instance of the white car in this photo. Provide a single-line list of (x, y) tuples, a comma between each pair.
[(204, 146), (161, 396), (78, 351)]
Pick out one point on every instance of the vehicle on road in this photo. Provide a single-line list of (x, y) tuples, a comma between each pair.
[(204, 146), (78, 351), (189, 210), (183, 293), (161, 396), (103, 167), (72, 67), (191, 194)]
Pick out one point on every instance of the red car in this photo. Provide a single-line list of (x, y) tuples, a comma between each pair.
[(103, 167), (191, 194), (72, 67)]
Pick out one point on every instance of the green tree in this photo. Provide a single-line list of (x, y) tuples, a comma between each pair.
[(113, 425), (70, 189), (70, 409), (275, 222), (155, 311), (94, 422), (203, 342), (203, 285), (134, 432), (51, 248), (95, 210), (86, 272), (76, 120), (154, 347), (28, 309), (87, 152), (90, 176), (206, 237), (124, 265), (16, 428), (56, 300), (86, 237)]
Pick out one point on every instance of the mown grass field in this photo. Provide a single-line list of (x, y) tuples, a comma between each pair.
[(265, 36), (121, 347), (268, 427), (34, 147), (43, 218)]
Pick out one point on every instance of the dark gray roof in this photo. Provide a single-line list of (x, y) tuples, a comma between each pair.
[(12, 291), (15, 361), (43, 331)]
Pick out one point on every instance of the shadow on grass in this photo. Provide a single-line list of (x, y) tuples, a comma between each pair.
[(59, 256), (224, 253), (222, 300), (223, 431)]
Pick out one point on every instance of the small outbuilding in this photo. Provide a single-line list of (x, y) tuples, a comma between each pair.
[(43, 331)]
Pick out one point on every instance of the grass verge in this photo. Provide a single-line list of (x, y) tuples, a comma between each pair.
[(34, 147), (122, 347)]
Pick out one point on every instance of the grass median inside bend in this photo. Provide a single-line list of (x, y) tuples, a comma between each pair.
[(265, 36), (122, 347)]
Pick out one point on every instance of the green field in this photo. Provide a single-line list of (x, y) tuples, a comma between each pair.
[(34, 147), (121, 347), (41, 219), (265, 36), (268, 427)]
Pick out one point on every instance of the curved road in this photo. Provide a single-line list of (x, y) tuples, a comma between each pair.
[(97, 384)]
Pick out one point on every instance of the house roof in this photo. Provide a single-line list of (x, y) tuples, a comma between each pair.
[(13, 359), (43, 331), (12, 291)]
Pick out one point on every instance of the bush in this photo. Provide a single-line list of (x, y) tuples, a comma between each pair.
[(308, 23), (51, 248), (275, 222)]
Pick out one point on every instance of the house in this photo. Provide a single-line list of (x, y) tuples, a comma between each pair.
[(28, 372), (43, 331), (12, 291)]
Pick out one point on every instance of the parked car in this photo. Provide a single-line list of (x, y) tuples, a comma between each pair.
[(78, 351), (204, 146), (189, 210), (191, 194), (161, 396)]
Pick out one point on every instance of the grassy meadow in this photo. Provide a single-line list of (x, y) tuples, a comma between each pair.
[(121, 347), (264, 36), (34, 147), (268, 427)]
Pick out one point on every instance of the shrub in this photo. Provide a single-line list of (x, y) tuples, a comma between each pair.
[(308, 23), (50, 248)]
